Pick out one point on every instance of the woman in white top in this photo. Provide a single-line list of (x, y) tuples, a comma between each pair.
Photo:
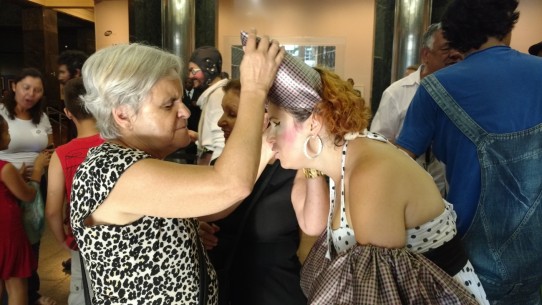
[(29, 126), (31, 133)]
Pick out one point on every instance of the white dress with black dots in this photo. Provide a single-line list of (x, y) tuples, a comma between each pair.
[(421, 239)]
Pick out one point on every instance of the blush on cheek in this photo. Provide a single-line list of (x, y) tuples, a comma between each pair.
[(290, 135)]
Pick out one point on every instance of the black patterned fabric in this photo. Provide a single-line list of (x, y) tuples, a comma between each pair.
[(150, 261)]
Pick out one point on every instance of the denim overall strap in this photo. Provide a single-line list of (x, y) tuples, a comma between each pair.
[(457, 115), (504, 240)]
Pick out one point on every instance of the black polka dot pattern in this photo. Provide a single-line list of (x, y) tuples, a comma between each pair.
[(420, 239)]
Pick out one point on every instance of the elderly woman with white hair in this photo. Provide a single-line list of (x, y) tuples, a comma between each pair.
[(133, 213)]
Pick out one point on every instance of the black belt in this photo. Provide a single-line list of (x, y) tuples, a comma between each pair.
[(450, 257)]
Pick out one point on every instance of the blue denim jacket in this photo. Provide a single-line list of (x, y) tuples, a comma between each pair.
[(504, 240)]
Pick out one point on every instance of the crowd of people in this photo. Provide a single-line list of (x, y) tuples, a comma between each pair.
[(439, 203)]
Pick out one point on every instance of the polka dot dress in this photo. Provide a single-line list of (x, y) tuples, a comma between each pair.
[(426, 237)]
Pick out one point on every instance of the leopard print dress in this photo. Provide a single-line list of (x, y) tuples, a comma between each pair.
[(150, 261)]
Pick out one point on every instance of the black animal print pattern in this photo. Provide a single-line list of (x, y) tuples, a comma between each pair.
[(150, 261)]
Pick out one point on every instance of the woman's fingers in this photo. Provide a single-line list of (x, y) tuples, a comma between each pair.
[(260, 63), (251, 41)]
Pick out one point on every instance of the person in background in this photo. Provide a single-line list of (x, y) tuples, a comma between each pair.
[(372, 233), (16, 259), (254, 247), (536, 49), (64, 163), (388, 119), (70, 63), (483, 119), (224, 75), (411, 69), (5, 93), (205, 68), (132, 213), (31, 133), (190, 100)]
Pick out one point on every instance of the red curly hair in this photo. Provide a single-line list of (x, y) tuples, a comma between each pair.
[(341, 109)]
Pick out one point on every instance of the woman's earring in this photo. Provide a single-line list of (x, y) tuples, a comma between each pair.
[(318, 150)]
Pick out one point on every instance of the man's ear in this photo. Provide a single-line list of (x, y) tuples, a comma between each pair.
[(423, 54), (77, 73), (123, 117)]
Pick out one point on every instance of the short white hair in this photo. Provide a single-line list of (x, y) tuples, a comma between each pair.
[(428, 38), (123, 75)]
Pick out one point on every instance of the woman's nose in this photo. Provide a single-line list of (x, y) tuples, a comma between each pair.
[(269, 136), (183, 111), (222, 121)]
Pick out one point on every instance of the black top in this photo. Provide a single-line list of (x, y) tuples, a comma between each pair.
[(265, 270)]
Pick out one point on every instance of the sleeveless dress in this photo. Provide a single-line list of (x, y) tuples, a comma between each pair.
[(16, 259), (150, 261), (338, 270), (264, 264), (420, 239)]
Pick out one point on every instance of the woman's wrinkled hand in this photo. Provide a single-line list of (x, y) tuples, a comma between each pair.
[(260, 63), (207, 234)]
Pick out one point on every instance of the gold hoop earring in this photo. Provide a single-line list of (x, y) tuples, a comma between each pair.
[(318, 150)]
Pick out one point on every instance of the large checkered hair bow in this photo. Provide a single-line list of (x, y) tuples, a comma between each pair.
[(296, 86)]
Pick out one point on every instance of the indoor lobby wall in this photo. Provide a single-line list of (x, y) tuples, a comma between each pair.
[(347, 24), (528, 30), (111, 23)]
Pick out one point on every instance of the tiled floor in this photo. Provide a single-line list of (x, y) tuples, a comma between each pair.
[(54, 282)]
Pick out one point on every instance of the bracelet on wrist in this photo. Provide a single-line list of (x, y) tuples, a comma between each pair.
[(311, 173)]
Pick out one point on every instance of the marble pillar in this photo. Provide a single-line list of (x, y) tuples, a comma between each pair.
[(178, 19), (385, 19), (412, 18), (145, 21), (206, 23), (40, 48), (383, 47)]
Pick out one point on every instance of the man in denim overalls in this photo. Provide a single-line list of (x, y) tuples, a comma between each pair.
[(483, 117)]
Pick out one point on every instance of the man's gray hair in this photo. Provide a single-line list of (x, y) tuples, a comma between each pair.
[(123, 75), (428, 38)]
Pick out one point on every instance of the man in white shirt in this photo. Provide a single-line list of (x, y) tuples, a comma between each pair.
[(204, 68), (389, 118)]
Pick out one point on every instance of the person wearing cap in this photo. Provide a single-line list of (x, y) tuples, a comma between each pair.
[(383, 212), (536, 49), (483, 119), (205, 68)]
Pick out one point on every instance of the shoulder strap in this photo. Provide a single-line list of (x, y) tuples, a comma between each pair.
[(257, 194), (451, 108)]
